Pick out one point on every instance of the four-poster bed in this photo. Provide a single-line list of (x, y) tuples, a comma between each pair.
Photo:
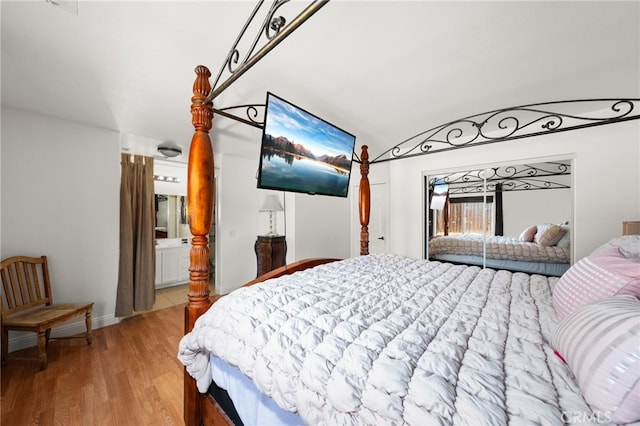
[(537, 388)]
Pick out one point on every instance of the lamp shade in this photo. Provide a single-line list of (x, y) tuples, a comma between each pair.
[(271, 203)]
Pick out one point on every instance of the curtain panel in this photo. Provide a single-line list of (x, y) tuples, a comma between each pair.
[(136, 275)]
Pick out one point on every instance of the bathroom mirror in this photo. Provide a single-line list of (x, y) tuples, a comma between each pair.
[(171, 216)]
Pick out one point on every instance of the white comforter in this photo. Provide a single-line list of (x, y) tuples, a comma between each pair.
[(391, 340)]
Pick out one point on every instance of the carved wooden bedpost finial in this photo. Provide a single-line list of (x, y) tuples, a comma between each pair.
[(201, 87), (364, 201), (200, 196), (200, 199)]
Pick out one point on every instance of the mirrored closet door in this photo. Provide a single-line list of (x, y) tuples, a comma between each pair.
[(514, 216)]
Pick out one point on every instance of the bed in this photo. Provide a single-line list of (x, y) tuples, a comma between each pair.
[(502, 252), (397, 340), (441, 344), (387, 339)]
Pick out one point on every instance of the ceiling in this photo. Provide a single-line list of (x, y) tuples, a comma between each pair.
[(382, 70)]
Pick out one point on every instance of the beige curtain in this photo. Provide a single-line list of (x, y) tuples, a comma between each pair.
[(136, 276)]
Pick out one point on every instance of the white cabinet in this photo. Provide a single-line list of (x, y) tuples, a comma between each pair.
[(183, 264), (172, 265)]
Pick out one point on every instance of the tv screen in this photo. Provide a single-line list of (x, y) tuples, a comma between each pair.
[(303, 153)]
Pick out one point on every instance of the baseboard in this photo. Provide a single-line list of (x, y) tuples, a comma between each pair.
[(23, 340)]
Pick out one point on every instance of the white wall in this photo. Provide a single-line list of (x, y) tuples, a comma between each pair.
[(316, 226), (606, 180), (321, 226), (72, 175), (378, 175), (173, 169), (60, 198), (525, 208), (238, 201)]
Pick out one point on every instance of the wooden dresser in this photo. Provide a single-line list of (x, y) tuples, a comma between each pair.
[(271, 252)]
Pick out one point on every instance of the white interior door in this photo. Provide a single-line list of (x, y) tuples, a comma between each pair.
[(378, 225)]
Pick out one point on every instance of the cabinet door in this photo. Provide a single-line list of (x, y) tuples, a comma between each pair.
[(170, 269), (184, 263), (158, 267)]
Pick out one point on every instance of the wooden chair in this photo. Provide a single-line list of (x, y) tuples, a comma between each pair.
[(27, 304)]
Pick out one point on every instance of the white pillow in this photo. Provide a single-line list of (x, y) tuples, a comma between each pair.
[(565, 241), (600, 342)]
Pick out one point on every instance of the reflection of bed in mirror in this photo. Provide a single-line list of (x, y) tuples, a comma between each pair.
[(500, 252), (512, 217)]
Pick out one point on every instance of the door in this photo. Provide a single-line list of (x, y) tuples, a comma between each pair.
[(378, 220)]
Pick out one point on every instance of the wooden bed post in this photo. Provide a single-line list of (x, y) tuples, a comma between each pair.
[(445, 215), (200, 198), (364, 203)]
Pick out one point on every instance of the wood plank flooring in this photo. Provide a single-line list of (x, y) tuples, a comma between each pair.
[(129, 376)]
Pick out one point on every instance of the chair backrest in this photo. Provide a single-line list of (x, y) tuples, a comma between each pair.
[(25, 284)]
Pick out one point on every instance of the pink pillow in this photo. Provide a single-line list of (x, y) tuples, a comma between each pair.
[(595, 277), (599, 342), (528, 234)]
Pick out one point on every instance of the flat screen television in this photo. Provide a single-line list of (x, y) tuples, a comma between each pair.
[(303, 153)]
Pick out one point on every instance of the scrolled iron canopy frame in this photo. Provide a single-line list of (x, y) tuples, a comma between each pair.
[(273, 31), (490, 127), (506, 178), (515, 123)]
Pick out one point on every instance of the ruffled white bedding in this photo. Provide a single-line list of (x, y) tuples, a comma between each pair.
[(385, 339)]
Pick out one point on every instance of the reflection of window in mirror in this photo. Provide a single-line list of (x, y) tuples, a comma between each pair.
[(466, 215), (439, 197)]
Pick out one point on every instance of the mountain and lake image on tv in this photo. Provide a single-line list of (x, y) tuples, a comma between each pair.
[(303, 153)]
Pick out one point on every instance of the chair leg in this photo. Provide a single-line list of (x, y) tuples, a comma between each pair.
[(42, 349), (87, 320), (47, 335), (5, 345)]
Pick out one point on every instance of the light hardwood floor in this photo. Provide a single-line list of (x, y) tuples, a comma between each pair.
[(129, 375), (171, 296)]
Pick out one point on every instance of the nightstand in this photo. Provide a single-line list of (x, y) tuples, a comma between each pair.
[(271, 252)]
